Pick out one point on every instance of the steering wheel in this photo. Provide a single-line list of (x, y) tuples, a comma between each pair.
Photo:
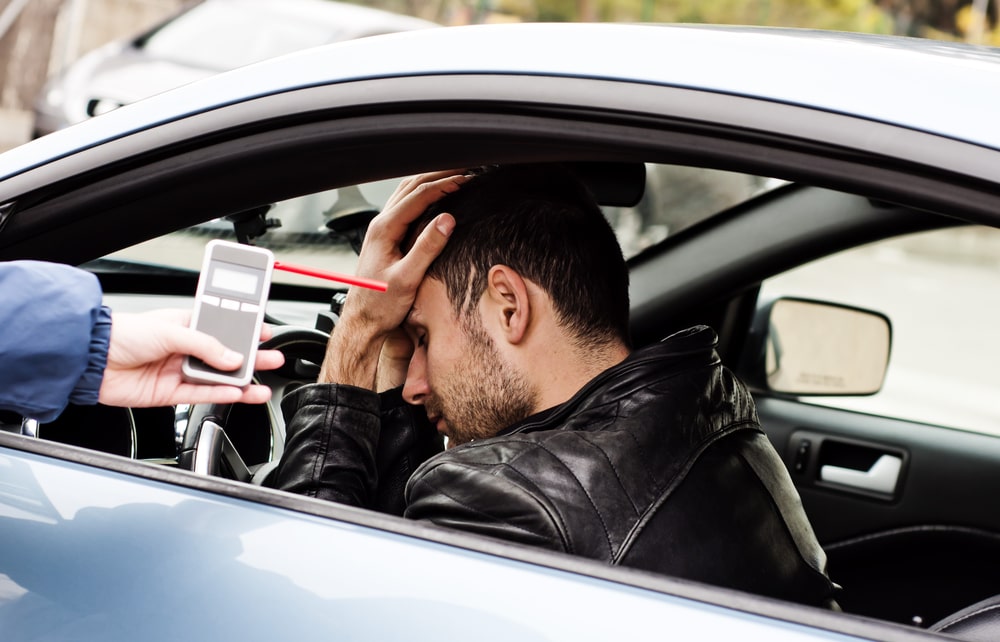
[(207, 448)]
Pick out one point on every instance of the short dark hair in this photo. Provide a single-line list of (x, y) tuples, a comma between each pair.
[(543, 222)]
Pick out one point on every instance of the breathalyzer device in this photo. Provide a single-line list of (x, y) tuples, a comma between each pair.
[(229, 305)]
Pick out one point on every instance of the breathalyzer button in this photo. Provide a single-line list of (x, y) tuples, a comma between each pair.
[(209, 299), (249, 307), (229, 304)]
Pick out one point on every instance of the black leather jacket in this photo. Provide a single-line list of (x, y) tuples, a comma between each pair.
[(657, 463)]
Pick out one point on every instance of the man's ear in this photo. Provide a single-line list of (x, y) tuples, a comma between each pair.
[(507, 296)]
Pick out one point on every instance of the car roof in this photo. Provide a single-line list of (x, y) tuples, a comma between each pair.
[(948, 89)]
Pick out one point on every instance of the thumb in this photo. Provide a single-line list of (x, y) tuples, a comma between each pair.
[(183, 340)]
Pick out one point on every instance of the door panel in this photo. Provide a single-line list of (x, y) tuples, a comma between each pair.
[(923, 551)]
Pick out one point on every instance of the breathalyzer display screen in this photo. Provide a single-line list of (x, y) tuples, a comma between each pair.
[(234, 281)]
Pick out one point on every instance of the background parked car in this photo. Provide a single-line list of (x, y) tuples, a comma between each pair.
[(207, 37)]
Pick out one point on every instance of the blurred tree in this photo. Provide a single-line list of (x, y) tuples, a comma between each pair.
[(25, 42), (849, 15), (930, 17), (949, 19)]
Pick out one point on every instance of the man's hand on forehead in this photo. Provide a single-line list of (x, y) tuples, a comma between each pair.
[(383, 253), (369, 317), (414, 195)]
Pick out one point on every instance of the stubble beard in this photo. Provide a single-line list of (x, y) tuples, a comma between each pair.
[(484, 394)]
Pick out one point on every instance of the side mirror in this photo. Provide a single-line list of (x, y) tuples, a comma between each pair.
[(802, 347)]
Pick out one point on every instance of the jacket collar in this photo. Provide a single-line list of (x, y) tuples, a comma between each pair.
[(690, 348)]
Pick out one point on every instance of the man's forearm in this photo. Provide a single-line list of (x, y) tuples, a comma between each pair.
[(352, 355)]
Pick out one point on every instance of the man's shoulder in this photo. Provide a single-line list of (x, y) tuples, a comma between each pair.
[(523, 456)]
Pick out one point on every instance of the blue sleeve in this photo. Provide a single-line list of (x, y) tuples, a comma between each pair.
[(54, 338)]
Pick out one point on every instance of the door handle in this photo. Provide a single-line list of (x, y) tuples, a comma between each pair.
[(880, 478)]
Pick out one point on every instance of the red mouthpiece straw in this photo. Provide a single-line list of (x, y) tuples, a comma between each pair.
[(371, 284)]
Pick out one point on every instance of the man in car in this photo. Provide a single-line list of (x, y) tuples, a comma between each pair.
[(513, 294)]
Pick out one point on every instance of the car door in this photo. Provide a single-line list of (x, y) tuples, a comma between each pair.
[(921, 540)]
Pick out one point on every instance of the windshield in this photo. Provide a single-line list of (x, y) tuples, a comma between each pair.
[(321, 230), (225, 35)]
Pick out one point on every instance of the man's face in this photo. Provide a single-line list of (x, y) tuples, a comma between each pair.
[(468, 390)]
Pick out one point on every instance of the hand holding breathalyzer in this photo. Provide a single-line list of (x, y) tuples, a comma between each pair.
[(144, 360)]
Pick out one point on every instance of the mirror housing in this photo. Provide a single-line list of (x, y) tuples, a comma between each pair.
[(802, 347)]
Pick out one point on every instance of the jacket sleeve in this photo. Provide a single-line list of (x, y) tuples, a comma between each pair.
[(54, 343), (407, 440), (483, 495), (331, 432), (349, 445)]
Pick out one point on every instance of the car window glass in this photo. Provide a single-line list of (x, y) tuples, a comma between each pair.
[(299, 236), (677, 197), (939, 290)]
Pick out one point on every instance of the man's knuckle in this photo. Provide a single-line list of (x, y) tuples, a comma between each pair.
[(377, 225)]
